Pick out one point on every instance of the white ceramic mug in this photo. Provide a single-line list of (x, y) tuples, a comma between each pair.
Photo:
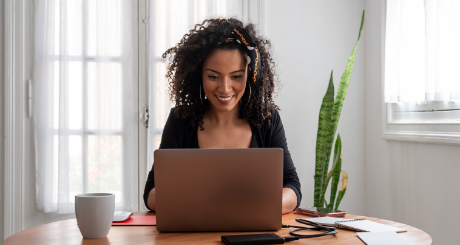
[(94, 212)]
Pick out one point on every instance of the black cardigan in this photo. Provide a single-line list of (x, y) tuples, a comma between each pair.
[(178, 133)]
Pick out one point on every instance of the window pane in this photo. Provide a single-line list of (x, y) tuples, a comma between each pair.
[(75, 95), (163, 104), (74, 26), (55, 92), (74, 98), (57, 25), (104, 27), (433, 112), (75, 167), (55, 168), (160, 26), (232, 8), (173, 19), (157, 141), (104, 96), (177, 21), (105, 165)]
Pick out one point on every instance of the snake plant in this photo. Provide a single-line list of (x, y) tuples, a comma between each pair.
[(329, 116)]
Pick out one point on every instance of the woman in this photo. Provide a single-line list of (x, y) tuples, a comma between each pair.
[(222, 78)]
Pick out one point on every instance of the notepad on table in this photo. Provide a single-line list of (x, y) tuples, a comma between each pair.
[(329, 221), (139, 220), (383, 238), (366, 225)]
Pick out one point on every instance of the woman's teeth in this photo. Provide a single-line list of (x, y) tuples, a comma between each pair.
[(224, 98)]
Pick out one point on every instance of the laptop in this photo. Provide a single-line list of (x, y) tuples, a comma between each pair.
[(218, 189)]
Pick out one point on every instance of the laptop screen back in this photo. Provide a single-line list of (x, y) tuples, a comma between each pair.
[(218, 189)]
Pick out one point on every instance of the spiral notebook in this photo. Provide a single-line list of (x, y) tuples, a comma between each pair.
[(329, 221), (366, 225)]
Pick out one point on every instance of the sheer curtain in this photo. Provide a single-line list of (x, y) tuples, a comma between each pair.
[(82, 89), (422, 50), (169, 21)]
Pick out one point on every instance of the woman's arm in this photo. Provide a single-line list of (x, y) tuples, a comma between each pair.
[(289, 200), (169, 140), (291, 183)]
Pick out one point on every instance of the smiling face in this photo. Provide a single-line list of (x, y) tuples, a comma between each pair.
[(224, 78)]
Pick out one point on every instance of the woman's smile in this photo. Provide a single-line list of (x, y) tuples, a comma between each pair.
[(225, 99)]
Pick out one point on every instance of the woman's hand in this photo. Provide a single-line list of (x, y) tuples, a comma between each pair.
[(289, 200), (151, 200)]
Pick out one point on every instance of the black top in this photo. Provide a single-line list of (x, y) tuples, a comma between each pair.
[(181, 134)]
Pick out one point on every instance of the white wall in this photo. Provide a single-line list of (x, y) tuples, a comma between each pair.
[(311, 38), (2, 134), (412, 183)]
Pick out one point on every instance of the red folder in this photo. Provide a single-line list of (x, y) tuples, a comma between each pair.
[(139, 220)]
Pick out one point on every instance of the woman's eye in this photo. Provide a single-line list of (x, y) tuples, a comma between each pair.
[(237, 77), (212, 77)]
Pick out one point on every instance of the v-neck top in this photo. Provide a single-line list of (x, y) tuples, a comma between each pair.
[(252, 145), (180, 134)]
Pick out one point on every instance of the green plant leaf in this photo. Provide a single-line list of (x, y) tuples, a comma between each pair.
[(337, 152), (336, 168), (322, 137), (343, 87), (343, 189)]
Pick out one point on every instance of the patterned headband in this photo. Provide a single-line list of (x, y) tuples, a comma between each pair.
[(255, 64)]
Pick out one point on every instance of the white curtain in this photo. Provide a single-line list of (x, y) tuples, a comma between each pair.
[(82, 89), (169, 21), (422, 50)]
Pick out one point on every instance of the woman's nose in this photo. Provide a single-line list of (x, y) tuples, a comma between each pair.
[(225, 86)]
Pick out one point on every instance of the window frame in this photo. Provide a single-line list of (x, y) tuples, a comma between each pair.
[(17, 64), (432, 125)]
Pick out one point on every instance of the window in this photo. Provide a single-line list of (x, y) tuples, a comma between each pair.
[(422, 90), (84, 85)]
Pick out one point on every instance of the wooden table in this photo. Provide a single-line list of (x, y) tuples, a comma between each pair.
[(67, 232)]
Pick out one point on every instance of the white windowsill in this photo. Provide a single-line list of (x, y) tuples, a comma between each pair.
[(451, 138), (432, 127)]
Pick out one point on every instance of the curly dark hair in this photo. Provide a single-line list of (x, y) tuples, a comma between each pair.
[(184, 73)]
